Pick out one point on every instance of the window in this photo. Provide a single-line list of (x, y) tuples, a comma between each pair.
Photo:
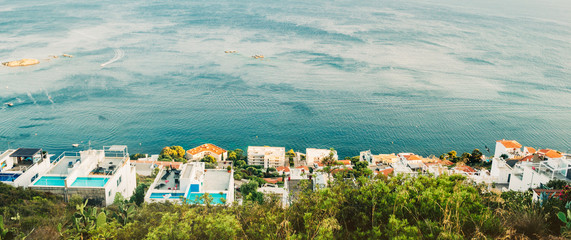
[(34, 177), (118, 181), (109, 193)]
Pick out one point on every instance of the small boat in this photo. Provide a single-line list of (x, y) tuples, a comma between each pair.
[(9, 104), (75, 145)]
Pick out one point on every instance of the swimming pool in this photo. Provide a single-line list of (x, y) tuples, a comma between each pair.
[(51, 181), (160, 195), (8, 177), (89, 182), (194, 198)]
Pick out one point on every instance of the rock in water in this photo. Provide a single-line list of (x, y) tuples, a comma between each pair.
[(21, 63)]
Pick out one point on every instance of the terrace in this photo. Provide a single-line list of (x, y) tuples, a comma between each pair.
[(169, 180), (21, 159), (192, 182), (216, 180), (64, 163), (108, 166), (21, 166)]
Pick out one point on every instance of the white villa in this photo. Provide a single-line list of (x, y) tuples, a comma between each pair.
[(437, 169), (190, 183), (314, 155), (299, 172), (203, 150), (266, 156), (97, 175), (366, 156), (402, 168), (502, 170), (530, 174), (378, 159), (273, 191), (511, 148), (528, 168), (412, 161), (21, 167)]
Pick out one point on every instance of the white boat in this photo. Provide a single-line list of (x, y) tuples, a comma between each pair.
[(9, 104), (75, 145)]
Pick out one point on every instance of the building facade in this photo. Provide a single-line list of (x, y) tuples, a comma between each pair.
[(511, 148), (266, 156), (314, 155), (208, 149), (22, 166), (191, 183), (96, 175)]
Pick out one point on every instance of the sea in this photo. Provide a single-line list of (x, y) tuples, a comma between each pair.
[(388, 76)]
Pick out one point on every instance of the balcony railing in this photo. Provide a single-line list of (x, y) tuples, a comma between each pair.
[(66, 154)]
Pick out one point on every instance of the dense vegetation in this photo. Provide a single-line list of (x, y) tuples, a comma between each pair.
[(172, 153), (396, 208)]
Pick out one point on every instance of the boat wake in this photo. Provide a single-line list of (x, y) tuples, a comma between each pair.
[(49, 97), (118, 55)]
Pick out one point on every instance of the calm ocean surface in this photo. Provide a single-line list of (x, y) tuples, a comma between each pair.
[(390, 76)]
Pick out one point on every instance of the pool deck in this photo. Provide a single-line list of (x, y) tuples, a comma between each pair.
[(169, 182), (61, 167)]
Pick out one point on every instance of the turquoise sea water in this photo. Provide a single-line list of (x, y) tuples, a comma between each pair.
[(390, 76)]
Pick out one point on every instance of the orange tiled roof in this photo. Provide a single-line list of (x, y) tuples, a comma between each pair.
[(553, 154), (465, 168), (206, 147), (345, 162), (303, 167), (285, 169), (273, 180), (527, 159), (339, 170), (387, 171), (412, 157), (530, 150), (510, 143), (550, 153), (446, 162)]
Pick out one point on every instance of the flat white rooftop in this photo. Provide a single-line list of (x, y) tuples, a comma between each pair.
[(216, 180)]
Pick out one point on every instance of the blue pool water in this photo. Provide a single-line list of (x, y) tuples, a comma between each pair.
[(51, 181), (387, 75), (8, 177), (89, 182), (160, 195), (194, 198)]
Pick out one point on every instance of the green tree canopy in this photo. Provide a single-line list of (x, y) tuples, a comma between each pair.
[(208, 159)]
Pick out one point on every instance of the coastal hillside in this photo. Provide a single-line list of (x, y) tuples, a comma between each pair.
[(446, 207)]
